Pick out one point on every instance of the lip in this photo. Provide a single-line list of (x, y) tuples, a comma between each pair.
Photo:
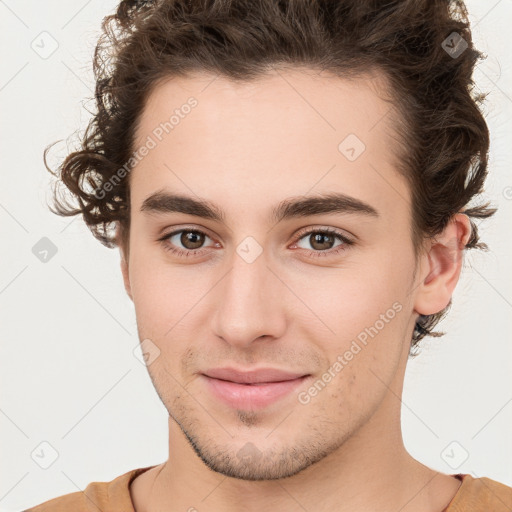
[(262, 375), (252, 389)]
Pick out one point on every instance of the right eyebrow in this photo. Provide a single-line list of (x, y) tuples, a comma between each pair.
[(162, 202)]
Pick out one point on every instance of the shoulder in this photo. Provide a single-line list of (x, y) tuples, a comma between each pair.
[(481, 495), (112, 496)]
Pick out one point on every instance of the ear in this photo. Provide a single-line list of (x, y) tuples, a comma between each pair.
[(441, 266), (120, 240), (125, 272)]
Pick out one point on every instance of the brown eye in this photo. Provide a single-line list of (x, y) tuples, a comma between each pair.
[(321, 241), (184, 242), (192, 239)]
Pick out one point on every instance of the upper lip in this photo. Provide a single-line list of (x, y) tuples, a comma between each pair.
[(252, 376)]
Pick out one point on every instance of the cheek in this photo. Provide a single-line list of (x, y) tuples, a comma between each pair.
[(345, 302), (366, 315), (167, 298), (155, 296), (365, 350)]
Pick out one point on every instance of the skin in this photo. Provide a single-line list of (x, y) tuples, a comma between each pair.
[(246, 147)]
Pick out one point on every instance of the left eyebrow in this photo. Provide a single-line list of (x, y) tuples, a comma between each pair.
[(293, 207), (321, 204)]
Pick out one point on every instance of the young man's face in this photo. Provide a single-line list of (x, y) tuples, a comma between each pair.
[(265, 294)]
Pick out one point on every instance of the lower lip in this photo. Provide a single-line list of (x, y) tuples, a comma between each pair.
[(251, 396)]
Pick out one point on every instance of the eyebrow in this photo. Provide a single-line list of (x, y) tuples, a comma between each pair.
[(293, 207)]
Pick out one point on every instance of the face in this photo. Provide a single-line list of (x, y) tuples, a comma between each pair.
[(321, 290)]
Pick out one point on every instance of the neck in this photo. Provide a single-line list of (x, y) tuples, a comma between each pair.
[(370, 471)]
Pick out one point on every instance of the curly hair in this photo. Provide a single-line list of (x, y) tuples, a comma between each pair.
[(423, 48)]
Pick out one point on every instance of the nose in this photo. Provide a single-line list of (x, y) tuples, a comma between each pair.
[(251, 303)]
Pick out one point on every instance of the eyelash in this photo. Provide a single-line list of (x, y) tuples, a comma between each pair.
[(329, 252)]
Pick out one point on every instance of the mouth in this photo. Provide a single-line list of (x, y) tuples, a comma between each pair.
[(251, 389)]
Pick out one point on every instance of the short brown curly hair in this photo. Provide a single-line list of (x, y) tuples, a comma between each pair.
[(423, 47)]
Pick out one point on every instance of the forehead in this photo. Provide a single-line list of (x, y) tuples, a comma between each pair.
[(283, 134), (323, 103)]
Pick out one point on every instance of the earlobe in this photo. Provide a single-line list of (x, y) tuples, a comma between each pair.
[(441, 266)]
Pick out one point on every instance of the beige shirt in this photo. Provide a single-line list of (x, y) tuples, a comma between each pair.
[(474, 495)]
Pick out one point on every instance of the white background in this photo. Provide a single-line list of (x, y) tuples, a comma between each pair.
[(68, 373)]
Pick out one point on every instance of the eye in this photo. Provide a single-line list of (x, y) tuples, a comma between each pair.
[(191, 239), (322, 239)]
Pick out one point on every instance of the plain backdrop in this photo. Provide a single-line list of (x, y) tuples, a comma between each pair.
[(76, 398)]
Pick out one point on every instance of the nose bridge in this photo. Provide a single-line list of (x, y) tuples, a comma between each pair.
[(249, 299)]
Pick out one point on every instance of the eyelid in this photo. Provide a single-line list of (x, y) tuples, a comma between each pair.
[(324, 229), (201, 230), (304, 231)]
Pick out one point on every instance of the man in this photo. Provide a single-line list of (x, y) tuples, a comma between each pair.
[(289, 184)]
